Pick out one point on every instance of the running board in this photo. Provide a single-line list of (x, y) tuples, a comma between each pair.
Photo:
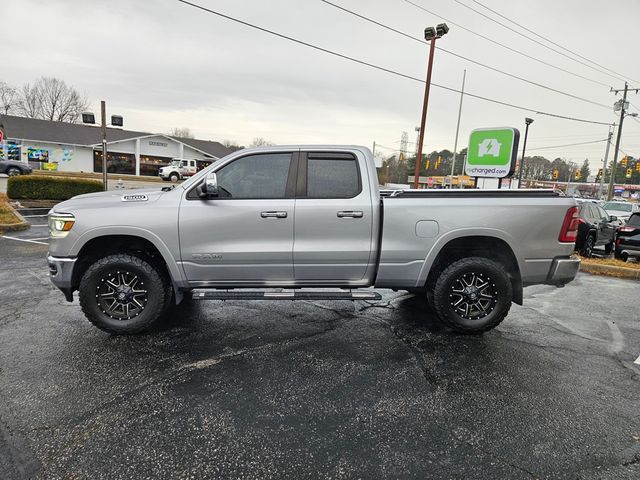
[(216, 294)]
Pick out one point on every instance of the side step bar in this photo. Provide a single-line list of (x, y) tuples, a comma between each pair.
[(216, 294)]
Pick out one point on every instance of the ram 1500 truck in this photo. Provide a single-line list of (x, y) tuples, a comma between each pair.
[(307, 222)]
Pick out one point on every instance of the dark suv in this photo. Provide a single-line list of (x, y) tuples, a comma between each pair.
[(628, 238), (596, 228), (13, 167)]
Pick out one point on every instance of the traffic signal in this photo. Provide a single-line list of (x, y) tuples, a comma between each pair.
[(578, 175), (629, 172), (600, 172), (427, 164), (638, 167), (623, 162), (555, 174)]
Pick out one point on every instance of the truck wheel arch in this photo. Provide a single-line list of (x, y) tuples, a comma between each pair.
[(98, 243), (462, 246)]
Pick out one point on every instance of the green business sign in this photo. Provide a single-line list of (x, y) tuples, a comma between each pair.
[(492, 152)]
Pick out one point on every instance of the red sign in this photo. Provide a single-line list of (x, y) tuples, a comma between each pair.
[(430, 181), (1, 135)]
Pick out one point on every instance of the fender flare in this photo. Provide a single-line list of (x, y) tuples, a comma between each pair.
[(172, 265), (461, 233)]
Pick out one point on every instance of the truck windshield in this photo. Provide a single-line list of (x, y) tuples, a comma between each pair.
[(176, 163)]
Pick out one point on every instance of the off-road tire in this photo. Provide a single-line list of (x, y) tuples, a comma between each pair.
[(498, 287), (151, 278)]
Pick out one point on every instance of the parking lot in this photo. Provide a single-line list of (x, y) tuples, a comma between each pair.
[(317, 389)]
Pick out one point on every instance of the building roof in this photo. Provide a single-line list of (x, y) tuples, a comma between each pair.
[(78, 134)]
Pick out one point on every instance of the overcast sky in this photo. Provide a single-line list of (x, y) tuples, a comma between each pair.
[(163, 64)]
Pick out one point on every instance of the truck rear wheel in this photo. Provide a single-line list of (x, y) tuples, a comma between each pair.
[(473, 295), (123, 294)]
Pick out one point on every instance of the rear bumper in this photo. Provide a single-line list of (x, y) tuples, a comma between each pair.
[(563, 270), (61, 274)]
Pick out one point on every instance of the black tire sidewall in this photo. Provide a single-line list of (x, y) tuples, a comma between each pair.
[(476, 265), (148, 274), (16, 171), (587, 248)]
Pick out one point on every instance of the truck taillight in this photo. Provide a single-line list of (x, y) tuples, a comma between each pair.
[(569, 230), (626, 229)]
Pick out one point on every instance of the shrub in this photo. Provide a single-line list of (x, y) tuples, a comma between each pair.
[(49, 188)]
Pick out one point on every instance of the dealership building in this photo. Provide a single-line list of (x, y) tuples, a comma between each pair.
[(71, 147)]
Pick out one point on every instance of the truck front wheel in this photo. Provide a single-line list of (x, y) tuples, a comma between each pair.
[(473, 295), (123, 294)]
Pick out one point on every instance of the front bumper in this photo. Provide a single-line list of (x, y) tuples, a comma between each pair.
[(563, 270), (61, 274)]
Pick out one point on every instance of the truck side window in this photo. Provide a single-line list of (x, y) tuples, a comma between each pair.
[(255, 176), (332, 178)]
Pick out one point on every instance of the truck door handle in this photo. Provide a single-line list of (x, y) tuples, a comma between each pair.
[(273, 214), (350, 214)]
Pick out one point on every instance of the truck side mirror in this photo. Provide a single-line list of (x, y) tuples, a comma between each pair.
[(613, 218), (209, 188)]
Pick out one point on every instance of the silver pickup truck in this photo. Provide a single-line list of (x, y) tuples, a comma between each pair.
[(307, 222)]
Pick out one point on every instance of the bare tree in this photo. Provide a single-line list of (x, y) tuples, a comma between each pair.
[(230, 143), (51, 99), (8, 98), (183, 132), (260, 142)]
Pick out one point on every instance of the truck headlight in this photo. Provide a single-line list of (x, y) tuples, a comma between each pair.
[(60, 224)]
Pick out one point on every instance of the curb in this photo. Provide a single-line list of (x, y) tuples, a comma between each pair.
[(14, 227), (611, 271)]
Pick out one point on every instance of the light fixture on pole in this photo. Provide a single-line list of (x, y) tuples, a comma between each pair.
[(116, 121), (527, 121), (431, 34)]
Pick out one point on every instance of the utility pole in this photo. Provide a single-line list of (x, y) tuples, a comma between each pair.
[(604, 162), (431, 34), (455, 143), (103, 114), (614, 166)]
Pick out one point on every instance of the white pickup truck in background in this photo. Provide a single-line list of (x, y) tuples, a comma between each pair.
[(181, 168)]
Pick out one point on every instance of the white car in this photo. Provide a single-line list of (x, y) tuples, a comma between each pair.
[(622, 210)]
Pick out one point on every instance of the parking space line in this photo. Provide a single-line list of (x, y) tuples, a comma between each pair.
[(637, 362), (23, 240)]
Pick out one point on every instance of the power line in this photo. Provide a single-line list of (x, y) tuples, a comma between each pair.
[(536, 41), (548, 40), (384, 69), (411, 37), (519, 52), (568, 144)]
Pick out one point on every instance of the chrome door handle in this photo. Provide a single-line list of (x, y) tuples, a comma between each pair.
[(273, 214), (350, 214)]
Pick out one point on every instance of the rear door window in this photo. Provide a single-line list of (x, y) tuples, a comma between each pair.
[(330, 177)]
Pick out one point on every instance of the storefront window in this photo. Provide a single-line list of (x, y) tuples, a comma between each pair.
[(13, 151), (124, 163), (151, 165)]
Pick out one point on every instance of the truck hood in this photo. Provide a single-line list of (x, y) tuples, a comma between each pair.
[(110, 199)]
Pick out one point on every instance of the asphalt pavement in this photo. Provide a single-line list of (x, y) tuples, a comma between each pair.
[(317, 389)]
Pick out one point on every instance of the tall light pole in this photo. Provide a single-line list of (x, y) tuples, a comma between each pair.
[(527, 121), (455, 142), (604, 162), (116, 121), (431, 34)]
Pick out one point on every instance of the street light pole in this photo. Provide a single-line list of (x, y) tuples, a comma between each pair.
[(527, 121), (604, 162), (430, 34), (455, 143)]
